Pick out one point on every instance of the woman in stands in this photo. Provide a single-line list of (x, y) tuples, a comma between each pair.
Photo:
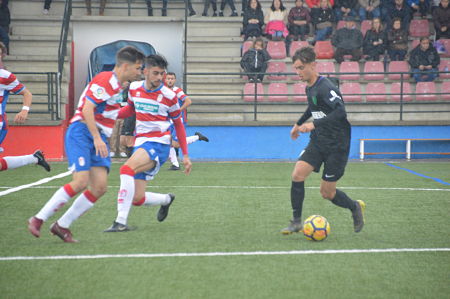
[(397, 41), (276, 20), (322, 19), (299, 20), (374, 41), (253, 20), (255, 60)]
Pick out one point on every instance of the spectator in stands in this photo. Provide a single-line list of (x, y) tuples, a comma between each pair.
[(348, 41), (47, 4), (399, 10), (322, 19), (5, 20), (150, 8), (316, 3), (369, 9), (385, 6), (397, 41), (345, 8), (244, 7), (299, 20), (421, 6), (101, 11), (2, 55), (206, 7), (375, 41), (441, 19), (255, 60), (232, 7), (424, 61), (253, 20), (276, 20)]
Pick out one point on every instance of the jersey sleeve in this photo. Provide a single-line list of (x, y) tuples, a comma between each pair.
[(11, 83)]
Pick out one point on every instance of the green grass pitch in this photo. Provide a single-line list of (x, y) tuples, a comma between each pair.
[(231, 208)]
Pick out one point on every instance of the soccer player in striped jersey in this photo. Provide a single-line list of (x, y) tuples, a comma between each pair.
[(329, 142), (86, 144), (184, 101), (10, 84), (154, 104)]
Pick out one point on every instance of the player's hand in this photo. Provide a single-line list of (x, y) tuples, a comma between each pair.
[(100, 147), (306, 127), (187, 165), (21, 117), (294, 132)]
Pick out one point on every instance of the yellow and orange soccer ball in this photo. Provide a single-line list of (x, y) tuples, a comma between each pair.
[(316, 228)]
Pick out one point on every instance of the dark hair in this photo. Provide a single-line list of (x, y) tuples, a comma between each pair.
[(258, 40), (305, 55), (129, 54), (258, 5), (272, 7), (171, 74), (425, 38), (395, 20), (155, 60)]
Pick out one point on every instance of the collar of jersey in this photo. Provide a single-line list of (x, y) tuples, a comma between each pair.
[(149, 90)]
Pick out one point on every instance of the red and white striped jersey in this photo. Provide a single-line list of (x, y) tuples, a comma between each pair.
[(105, 91), (153, 109), (181, 97), (8, 83)]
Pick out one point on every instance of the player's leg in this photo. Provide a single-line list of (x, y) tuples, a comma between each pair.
[(142, 198), (12, 162)]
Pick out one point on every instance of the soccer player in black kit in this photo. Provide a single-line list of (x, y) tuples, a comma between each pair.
[(329, 142)]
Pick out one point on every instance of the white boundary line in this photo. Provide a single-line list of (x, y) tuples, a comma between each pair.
[(212, 254), (42, 181)]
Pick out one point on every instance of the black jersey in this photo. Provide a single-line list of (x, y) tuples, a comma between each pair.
[(326, 106)]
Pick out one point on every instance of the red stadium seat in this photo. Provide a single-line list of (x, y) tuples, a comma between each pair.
[(425, 91), (365, 25), (351, 91), (444, 66), (446, 43), (395, 92), (324, 67), (349, 67), (278, 92), (398, 66), (276, 49), (249, 92), (245, 46), (374, 67), (376, 92), (414, 44), (419, 28), (324, 49), (276, 67), (299, 92), (295, 45), (445, 90)]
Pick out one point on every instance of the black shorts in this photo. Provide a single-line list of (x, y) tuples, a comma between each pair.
[(334, 161), (129, 125)]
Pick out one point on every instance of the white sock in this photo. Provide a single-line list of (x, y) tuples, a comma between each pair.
[(80, 206), (191, 139), (156, 199), (19, 161), (125, 197), (173, 157), (57, 201)]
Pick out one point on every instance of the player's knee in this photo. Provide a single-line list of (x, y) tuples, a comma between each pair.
[(79, 185), (297, 177), (327, 194)]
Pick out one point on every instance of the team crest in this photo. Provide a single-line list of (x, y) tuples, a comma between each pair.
[(138, 94), (100, 92), (160, 97), (81, 161)]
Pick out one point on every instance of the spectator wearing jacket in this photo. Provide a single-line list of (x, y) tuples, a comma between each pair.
[(421, 6), (322, 19), (255, 60), (276, 20), (424, 61), (298, 20), (399, 10), (345, 8), (397, 41), (348, 41), (374, 41), (369, 9), (253, 21), (5, 20), (441, 19)]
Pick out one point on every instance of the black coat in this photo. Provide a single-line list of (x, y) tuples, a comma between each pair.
[(255, 60), (371, 37), (418, 57), (5, 18)]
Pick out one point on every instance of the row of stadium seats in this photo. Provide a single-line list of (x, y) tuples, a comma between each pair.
[(323, 49), (353, 67), (352, 92)]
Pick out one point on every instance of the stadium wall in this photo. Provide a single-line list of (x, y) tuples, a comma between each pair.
[(274, 143)]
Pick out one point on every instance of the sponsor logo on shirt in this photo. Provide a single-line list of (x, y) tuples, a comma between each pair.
[(318, 114), (334, 96), (146, 107)]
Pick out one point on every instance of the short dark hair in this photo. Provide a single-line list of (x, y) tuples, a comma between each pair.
[(156, 60), (282, 8), (258, 40), (305, 55), (129, 54), (171, 74)]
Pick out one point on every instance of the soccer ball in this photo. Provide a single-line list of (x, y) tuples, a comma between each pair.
[(316, 228)]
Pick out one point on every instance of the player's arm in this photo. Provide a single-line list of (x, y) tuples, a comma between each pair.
[(181, 134), (333, 99), (300, 124), (89, 118), (186, 103), (23, 114)]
